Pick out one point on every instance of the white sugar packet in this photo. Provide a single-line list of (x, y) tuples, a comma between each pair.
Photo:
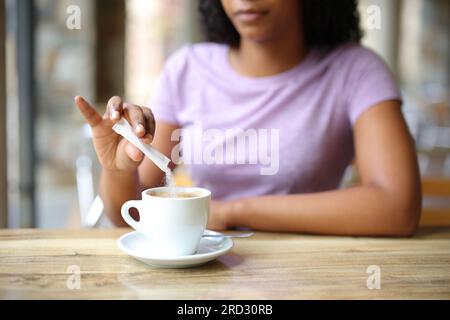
[(123, 128)]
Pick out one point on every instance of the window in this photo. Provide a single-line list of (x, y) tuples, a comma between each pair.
[(49, 146)]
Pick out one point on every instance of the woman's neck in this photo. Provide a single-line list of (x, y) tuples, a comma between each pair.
[(267, 58)]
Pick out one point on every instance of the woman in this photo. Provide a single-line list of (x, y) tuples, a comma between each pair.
[(293, 68)]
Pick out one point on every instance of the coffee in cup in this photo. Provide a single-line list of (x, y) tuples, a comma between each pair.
[(173, 194)]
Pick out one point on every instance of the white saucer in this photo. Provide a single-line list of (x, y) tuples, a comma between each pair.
[(137, 245)]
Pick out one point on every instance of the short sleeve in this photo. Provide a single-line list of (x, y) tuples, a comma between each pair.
[(164, 101), (369, 83)]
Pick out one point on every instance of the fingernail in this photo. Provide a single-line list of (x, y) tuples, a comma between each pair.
[(147, 139), (115, 115), (140, 128)]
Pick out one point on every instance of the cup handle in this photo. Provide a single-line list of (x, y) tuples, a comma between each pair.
[(125, 211)]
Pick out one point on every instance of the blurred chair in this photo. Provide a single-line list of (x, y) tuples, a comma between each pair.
[(432, 135), (436, 206), (89, 202)]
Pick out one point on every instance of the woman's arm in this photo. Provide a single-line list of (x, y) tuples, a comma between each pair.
[(387, 203)]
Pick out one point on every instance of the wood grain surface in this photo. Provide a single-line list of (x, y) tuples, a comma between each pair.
[(34, 265)]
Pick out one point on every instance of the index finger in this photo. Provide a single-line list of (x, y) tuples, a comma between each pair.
[(89, 113)]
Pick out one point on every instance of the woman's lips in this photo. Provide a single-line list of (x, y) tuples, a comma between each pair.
[(249, 16)]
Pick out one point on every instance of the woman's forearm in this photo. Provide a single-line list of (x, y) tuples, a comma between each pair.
[(364, 210), (115, 189)]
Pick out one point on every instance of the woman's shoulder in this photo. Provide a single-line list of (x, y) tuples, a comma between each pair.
[(198, 54), (353, 63), (355, 56), (207, 50), (365, 79)]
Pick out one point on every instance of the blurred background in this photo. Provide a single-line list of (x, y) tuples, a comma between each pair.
[(48, 169)]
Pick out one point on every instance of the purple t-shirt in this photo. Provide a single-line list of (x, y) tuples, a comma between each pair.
[(282, 134)]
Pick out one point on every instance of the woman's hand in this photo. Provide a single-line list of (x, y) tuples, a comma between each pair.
[(114, 152), (219, 216)]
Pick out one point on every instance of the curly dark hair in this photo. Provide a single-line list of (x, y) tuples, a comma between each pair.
[(326, 23)]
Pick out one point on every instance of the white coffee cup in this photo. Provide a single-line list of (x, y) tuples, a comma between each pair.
[(174, 225)]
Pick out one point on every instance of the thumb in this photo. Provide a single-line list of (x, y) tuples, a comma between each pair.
[(133, 153)]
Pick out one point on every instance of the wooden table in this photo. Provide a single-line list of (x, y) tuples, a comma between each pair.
[(34, 264)]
